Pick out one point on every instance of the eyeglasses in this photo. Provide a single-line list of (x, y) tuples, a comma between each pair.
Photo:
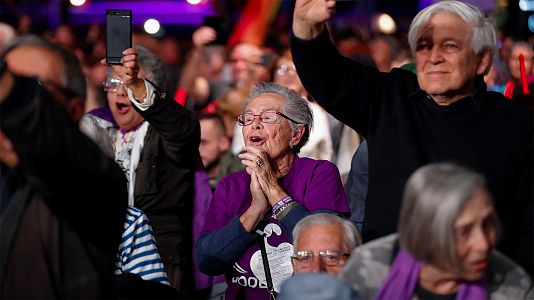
[(112, 85), (303, 259), (283, 69), (267, 117)]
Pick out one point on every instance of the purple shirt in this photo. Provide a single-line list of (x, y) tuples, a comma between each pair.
[(315, 184)]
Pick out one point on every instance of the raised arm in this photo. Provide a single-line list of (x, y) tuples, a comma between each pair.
[(192, 70), (310, 16), (73, 176), (178, 127)]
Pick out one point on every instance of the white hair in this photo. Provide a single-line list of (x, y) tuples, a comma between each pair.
[(351, 239), (482, 30), (294, 107), (433, 198)]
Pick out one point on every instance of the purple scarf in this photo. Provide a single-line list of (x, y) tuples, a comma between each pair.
[(404, 274)]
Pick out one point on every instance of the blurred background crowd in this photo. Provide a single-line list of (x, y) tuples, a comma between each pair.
[(215, 52), (212, 70)]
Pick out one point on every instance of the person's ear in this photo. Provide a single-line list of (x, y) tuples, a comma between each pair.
[(486, 59), (297, 135), (76, 108)]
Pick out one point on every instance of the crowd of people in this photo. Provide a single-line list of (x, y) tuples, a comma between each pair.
[(398, 171)]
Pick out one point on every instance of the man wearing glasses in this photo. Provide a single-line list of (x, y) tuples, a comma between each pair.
[(323, 243)]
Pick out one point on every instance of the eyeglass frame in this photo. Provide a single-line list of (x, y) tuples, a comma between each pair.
[(242, 123), (112, 80), (297, 258)]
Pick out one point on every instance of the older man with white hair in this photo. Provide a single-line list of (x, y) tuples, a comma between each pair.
[(444, 113), (323, 243)]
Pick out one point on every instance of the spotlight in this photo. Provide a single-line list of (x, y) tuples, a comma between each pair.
[(526, 5), (151, 26), (194, 2), (386, 24), (77, 2)]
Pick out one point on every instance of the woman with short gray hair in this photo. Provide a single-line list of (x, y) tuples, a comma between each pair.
[(294, 106), (444, 247), (262, 204)]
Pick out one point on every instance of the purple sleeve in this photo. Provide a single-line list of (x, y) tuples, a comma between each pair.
[(325, 190), (223, 238), (220, 211)]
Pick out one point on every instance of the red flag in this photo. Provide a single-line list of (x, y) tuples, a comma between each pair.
[(524, 82), (254, 22)]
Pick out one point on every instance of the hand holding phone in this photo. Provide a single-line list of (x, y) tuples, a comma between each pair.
[(118, 34)]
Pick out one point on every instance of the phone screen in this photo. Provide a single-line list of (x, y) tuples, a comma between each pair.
[(118, 34)]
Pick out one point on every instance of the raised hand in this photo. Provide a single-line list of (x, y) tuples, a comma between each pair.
[(128, 72), (309, 17), (257, 161), (258, 207), (203, 36), (259, 200)]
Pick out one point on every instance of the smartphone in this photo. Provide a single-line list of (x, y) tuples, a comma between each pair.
[(118, 34), (221, 27)]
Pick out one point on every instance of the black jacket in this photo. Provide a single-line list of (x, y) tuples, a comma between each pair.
[(72, 203), (406, 129), (164, 184)]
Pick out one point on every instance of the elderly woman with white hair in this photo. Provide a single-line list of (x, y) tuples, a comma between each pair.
[(247, 234), (444, 248)]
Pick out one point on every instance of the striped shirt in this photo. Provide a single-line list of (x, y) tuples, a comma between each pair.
[(138, 253)]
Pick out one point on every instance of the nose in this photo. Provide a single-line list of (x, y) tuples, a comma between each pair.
[(121, 90), (239, 64), (435, 55), (256, 123), (481, 241), (316, 265)]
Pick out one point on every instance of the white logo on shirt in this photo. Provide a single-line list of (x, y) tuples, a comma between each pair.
[(279, 259)]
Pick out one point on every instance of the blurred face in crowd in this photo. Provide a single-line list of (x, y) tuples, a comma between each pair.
[(170, 51), (506, 47), (326, 243), (245, 59), (513, 61), (286, 75), (39, 62), (447, 66), (33, 61), (213, 142), (274, 134), (119, 103), (476, 234), (381, 54), (48, 67), (65, 37)]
